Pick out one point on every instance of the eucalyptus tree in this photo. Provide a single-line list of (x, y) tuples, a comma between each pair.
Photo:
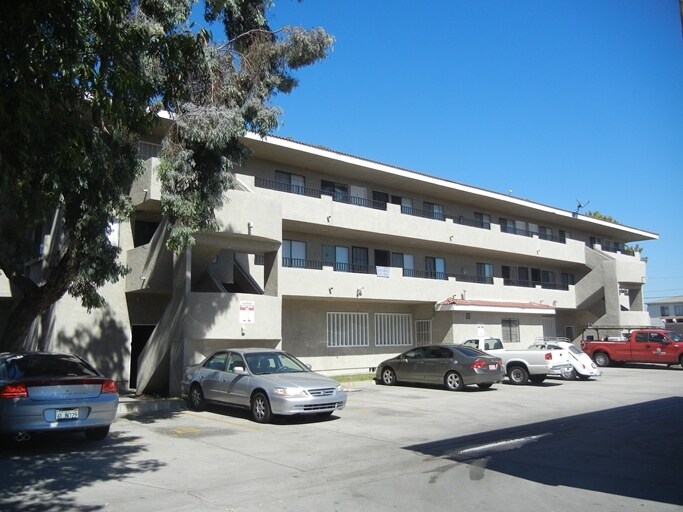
[(80, 82)]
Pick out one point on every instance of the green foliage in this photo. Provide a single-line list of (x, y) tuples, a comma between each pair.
[(601, 216), (82, 80)]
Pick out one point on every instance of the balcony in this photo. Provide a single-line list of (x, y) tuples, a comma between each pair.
[(310, 210)]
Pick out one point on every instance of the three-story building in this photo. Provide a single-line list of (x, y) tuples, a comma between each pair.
[(342, 261)]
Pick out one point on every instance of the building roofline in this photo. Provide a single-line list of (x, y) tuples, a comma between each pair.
[(324, 152)]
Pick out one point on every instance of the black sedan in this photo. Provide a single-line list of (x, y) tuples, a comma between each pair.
[(453, 366)]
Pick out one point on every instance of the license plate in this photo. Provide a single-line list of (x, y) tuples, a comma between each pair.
[(493, 367), (67, 414)]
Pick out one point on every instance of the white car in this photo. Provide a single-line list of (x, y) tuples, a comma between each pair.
[(584, 367)]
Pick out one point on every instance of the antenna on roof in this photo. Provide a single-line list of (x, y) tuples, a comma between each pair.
[(580, 205)]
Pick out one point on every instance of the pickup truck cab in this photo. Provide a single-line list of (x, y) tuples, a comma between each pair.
[(638, 346), (523, 366)]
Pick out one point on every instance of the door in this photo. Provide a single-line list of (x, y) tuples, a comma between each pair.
[(211, 377), (359, 195), (236, 384), (409, 368), (359, 260), (436, 364), (381, 258), (649, 347), (341, 258)]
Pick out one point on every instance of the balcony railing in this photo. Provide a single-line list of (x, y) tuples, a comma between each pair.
[(474, 223), (301, 263), (424, 274), (466, 278), (406, 210), (286, 187), (532, 284), (426, 214)]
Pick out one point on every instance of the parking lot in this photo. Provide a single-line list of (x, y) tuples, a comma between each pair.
[(613, 443)]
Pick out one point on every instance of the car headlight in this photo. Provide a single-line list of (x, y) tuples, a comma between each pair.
[(340, 388), (289, 392)]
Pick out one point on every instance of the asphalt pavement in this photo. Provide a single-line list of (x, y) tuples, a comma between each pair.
[(613, 443)]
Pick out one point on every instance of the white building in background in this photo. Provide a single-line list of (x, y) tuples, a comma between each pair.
[(667, 313), (343, 261)]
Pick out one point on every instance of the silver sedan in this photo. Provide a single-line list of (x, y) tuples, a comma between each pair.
[(268, 382), (50, 391)]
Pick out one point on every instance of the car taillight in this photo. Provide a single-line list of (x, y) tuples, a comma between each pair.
[(548, 356), (479, 363), (109, 386), (14, 391)]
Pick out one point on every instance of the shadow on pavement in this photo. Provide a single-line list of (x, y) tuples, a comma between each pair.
[(42, 474), (633, 451)]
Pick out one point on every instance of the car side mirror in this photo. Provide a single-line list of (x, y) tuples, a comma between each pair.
[(665, 341), (239, 370)]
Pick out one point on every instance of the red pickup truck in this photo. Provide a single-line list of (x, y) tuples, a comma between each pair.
[(638, 346)]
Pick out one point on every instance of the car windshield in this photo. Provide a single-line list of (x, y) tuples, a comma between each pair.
[(261, 363), (574, 349), (46, 365), (470, 351)]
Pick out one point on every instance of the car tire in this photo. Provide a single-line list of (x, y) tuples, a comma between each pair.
[(518, 375), (485, 385), (602, 359), (388, 377), (680, 361), (97, 433), (195, 398), (571, 375), (453, 381), (260, 408), (583, 377)]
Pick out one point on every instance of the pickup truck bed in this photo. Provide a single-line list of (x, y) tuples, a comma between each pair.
[(523, 366)]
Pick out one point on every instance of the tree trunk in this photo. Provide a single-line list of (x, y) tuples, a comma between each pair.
[(34, 301)]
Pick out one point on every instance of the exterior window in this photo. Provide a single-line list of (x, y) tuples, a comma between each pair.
[(678, 310), (664, 310), (482, 220), (147, 150), (433, 210), (548, 279), (545, 233), (336, 255), (510, 330), (393, 329), (347, 330), (338, 191), (563, 235), (406, 204), (485, 272), (359, 260), (423, 332), (293, 253), (435, 267), (536, 276), (567, 279), (288, 182)]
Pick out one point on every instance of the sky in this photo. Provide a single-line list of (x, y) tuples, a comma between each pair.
[(558, 101)]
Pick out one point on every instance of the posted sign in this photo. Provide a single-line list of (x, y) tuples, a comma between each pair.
[(247, 309)]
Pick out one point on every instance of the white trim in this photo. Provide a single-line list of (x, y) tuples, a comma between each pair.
[(495, 309)]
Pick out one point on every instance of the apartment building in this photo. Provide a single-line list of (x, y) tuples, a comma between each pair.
[(343, 261), (667, 313)]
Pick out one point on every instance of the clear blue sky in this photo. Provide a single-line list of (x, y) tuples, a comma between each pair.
[(556, 100)]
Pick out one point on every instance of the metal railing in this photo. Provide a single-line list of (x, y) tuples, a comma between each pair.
[(466, 278)]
